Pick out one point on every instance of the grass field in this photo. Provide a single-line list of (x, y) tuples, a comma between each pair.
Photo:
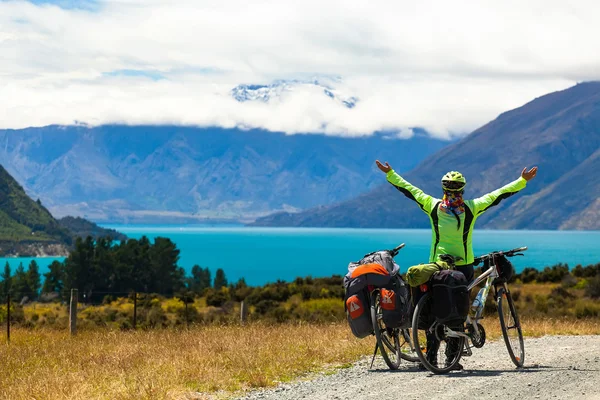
[(202, 362)]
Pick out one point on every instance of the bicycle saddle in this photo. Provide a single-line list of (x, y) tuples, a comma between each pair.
[(449, 258)]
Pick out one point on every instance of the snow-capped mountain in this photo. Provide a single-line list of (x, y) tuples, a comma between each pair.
[(275, 90)]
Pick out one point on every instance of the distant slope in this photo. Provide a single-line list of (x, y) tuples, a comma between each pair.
[(559, 132), (26, 225), (23, 218), (148, 173), (28, 229), (79, 227)]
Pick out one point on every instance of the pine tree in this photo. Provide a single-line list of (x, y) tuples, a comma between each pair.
[(6, 281), (220, 279), (34, 279), (206, 279), (20, 286), (199, 280), (53, 279)]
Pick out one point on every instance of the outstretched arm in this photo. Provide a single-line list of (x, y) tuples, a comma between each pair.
[(483, 203), (424, 201)]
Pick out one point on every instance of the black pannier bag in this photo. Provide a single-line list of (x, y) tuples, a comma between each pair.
[(504, 267), (426, 317), (395, 304), (450, 297), (358, 313)]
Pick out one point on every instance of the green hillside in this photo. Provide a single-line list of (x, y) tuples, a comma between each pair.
[(22, 219), (80, 227)]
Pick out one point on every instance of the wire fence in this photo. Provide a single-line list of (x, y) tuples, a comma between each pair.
[(64, 309)]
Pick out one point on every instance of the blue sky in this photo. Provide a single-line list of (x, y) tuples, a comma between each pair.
[(91, 5), (150, 74), (448, 67)]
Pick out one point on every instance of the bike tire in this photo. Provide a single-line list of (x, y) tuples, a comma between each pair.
[(420, 341), (510, 324), (389, 346)]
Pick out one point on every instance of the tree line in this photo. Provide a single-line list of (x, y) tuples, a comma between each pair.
[(100, 267)]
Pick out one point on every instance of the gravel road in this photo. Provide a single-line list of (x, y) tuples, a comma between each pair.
[(559, 367)]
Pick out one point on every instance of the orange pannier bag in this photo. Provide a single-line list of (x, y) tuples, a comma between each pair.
[(358, 313)]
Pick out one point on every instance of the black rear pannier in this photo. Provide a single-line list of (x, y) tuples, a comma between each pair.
[(450, 297), (395, 304), (358, 313)]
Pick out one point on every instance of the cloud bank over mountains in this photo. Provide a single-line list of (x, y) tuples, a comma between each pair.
[(447, 67)]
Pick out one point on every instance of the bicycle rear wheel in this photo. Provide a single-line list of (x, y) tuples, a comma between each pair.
[(388, 340), (437, 352), (511, 327)]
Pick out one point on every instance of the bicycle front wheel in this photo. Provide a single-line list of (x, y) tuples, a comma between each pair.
[(437, 352), (511, 327), (388, 340)]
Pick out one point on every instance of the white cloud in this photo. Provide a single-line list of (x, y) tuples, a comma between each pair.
[(445, 66)]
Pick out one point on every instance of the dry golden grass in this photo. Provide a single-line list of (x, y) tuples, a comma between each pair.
[(209, 361), (167, 363), (203, 362), (538, 326)]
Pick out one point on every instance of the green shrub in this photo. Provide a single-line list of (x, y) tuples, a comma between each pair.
[(265, 306), (124, 324), (586, 272), (561, 293), (320, 310), (581, 284), (541, 304), (586, 309), (216, 298), (156, 318), (553, 274), (190, 316), (516, 295), (568, 281), (528, 275), (593, 287)]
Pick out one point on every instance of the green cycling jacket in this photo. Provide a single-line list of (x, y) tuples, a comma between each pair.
[(446, 238)]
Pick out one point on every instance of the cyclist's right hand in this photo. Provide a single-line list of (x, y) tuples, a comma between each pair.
[(384, 168)]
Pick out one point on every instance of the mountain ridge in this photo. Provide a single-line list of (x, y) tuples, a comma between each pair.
[(559, 132), (115, 173)]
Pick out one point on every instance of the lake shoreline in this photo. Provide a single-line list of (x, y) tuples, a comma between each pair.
[(263, 255)]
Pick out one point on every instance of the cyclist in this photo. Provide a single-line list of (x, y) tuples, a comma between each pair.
[(453, 218)]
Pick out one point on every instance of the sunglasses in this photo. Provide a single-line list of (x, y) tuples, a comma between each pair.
[(451, 185)]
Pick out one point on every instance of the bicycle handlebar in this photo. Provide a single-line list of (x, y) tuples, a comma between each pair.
[(508, 253), (395, 251)]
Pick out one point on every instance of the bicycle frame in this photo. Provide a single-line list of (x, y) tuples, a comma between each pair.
[(472, 319), (489, 276)]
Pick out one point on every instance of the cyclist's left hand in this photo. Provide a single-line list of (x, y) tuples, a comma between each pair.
[(529, 175), (384, 168)]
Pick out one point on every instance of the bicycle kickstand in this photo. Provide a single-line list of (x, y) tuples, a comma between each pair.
[(466, 352), (374, 354)]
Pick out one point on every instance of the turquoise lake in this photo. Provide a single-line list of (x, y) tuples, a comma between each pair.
[(262, 255)]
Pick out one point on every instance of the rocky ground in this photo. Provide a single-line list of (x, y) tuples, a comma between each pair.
[(556, 367)]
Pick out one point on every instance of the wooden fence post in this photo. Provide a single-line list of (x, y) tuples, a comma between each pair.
[(73, 312), (187, 320), (8, 318), (134, 309), (243, 312)]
